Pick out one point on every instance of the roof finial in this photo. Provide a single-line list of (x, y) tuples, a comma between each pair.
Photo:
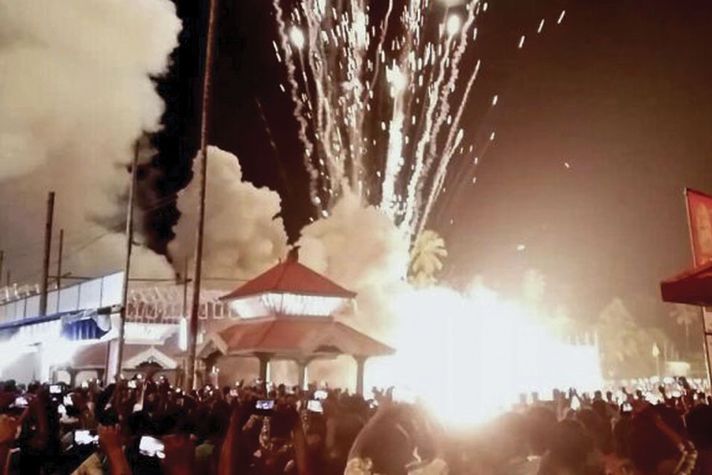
[(293, 255)]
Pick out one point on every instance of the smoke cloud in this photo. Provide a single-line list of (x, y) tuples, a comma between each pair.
[(360, 248), (243, 234), (76, 91)]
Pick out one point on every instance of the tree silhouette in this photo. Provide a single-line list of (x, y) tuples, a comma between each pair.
[(685, 316), (426, 258)]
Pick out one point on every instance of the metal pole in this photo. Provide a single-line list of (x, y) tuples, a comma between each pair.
[(127, 264), (7, 277), (195, 304), (2, 258), (185, 288), (47, 252), (60, 251)]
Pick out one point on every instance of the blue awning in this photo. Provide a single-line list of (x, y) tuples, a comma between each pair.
[(90, 324)]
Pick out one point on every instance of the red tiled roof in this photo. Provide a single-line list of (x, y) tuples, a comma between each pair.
[(299, 337), (693, 287), (290, 277)]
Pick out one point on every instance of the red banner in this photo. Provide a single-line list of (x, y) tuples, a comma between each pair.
[(699, 208)]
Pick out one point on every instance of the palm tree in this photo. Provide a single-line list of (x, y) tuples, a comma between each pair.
[(426, 258), (686, 316), (624, 345)]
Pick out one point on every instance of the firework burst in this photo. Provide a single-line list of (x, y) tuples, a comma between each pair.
[(379, 96)]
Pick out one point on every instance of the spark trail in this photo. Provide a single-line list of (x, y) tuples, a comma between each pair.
[(379, 95)]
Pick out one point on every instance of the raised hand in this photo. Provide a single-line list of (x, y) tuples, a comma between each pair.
[(8, 429), (110, 443), (180, 455)]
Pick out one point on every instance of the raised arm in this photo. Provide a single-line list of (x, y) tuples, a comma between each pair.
[(110, 442)]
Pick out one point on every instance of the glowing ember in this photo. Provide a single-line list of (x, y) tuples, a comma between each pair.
[(296, 37), (454, 24)]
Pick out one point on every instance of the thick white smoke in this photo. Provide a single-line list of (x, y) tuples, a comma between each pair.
[(360, 248), (76, 92), (243, 235)]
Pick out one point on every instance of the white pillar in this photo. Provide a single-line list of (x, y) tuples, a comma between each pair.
[(112, 361)]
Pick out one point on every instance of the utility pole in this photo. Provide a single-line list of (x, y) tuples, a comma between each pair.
[(202, 179), (2, 260), (127, 263), (60, 251), (7, 291), (185, 288), (47, 252)]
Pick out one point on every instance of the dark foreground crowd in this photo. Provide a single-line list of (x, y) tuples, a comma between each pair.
[(147, 427)]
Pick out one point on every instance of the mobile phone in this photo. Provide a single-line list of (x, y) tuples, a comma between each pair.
[(315, 405), (151, 447), (626, 408), (264, 405), (132, 384), (67, 400), (320, 394), (233, 392), (55, 389), (20, 401), (85, 437)]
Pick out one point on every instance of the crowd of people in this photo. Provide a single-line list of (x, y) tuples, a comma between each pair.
[(146, 426)]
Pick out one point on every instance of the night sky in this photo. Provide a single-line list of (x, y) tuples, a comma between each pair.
[(620, 91)]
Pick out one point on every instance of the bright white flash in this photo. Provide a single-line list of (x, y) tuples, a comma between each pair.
[(396, 78), (453, 25), (296, 36), (358, 29)]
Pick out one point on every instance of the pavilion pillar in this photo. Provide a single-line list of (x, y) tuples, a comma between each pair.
[(360, 367), (302, 375), (264, 365), (72, 377), (100, 372), (211, 361)]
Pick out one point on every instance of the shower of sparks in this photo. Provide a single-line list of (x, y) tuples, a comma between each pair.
[(379, 99)]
